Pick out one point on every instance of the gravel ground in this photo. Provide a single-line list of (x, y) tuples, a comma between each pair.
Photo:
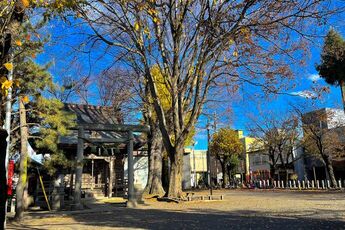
[(241, 209)]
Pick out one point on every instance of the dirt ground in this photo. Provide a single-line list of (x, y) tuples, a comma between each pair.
[(241, 209)]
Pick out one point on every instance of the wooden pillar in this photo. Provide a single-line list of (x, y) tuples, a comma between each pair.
[(79, 168), (92, 173), (111, 176), (131, 195)]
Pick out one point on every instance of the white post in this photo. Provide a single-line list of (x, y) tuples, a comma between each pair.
[(290, 184), (328, 184), (282, 182), (339, 182), (312, 184), (323, 184), (317, 184), (268, 183), (278, 183), (299, 185), (260, 184), (303, 184), (264, 183), (308, 184), (294, 184), (274, 184)]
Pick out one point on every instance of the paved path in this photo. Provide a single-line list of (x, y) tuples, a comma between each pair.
[(239, 210)]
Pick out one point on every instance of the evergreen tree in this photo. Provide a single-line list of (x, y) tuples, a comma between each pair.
[(332, 67)]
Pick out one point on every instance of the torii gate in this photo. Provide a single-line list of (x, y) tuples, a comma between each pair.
[(129, 129)]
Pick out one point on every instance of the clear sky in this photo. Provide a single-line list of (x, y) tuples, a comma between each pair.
[(245, 105)]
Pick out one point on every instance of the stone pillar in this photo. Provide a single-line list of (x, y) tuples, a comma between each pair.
[(131, 194)]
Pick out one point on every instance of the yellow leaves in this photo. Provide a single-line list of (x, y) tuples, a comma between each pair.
[(152, 11), (5, 85), (25, 99), (26, 3), (16, 83), (147, 31), (156, 20), (235, 54), (137, 26), (18, 43), (8, 66)]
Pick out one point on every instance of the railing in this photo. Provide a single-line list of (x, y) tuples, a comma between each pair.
[(296, 184)]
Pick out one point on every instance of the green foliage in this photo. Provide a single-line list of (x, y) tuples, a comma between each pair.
[(332, 67), (46, 118), (225, 144)]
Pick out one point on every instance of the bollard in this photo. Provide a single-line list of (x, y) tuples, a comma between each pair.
[(339, 182), (264, 183), (189, 198), (290, 184), (303, 184), (268, 183), (308, 184), (209, 197), (221, 197), (278, 184), (299, 185), (317, 184), (328, 184), (312, 184), (282, 183), (260, 184), (274, 184), (294, 184), (323, 184)]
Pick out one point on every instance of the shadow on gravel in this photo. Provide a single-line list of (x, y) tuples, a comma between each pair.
[(196, 219)]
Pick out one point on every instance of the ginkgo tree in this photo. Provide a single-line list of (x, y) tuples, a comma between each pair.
[(227, 149), (199, 45)]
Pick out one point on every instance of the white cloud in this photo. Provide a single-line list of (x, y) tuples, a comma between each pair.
[(314, 77), (305, 93)]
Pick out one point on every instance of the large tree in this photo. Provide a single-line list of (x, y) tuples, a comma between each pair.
[(323, 142), (198, 45), (277, 137), (227, 148), (332, 66)]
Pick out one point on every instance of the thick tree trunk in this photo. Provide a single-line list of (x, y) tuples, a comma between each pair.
[(342, 88), (225, 175), (23, 162), (165, 170), (329, 168), (3, 182), (155, 148), (176, 172)]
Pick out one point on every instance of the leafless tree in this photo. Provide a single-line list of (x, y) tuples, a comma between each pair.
[(277, 137), (200, 44)]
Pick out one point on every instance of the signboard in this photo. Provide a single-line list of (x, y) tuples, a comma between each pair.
[(10, 177)]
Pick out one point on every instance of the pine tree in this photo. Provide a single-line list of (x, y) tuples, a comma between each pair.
[(332, 67)]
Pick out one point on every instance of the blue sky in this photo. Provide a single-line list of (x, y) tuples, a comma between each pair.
[(243, 106)]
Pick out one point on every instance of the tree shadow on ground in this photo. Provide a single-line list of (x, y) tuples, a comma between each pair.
[(195, 219)]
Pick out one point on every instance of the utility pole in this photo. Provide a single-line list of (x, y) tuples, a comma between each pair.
[(208, 158)]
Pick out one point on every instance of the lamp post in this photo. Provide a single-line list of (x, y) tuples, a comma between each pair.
[(208, 158)]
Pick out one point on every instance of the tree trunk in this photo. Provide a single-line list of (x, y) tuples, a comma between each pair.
[(23, 162), (329, 168), (3, 182), (155, 148), (176, 172), (342, 88), (165, 170), (225, 175)]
